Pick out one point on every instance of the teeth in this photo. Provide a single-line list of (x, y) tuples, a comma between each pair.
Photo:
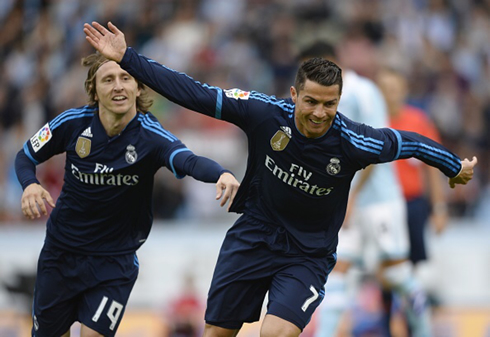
[(316, 122), (119, 98)]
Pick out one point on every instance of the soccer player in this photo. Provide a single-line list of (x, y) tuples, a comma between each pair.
[(377, 214), (303, 155), (421, 184), (114, 146)]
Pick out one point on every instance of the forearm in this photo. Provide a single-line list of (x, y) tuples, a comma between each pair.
[(200, 168), (411, 144), (177, 87), (25, 170)]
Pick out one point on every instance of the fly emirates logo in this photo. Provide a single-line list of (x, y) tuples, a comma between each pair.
[(102, 176), (297, 177)]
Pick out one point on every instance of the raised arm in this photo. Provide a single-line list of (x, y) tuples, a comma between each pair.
[(110, 43)]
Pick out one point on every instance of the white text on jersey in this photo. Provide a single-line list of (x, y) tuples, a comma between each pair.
[(104, 179), (290, 178)]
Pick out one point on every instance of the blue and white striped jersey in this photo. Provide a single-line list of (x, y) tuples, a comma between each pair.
[(291, 181), (105, 203)]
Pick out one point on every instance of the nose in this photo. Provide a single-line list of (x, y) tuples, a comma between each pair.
[(118, 85), (319, 112)]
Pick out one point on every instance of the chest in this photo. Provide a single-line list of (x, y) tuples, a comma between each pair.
[(283, 153), (94, 153)]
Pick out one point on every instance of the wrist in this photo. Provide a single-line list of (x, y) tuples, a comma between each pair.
[(225, 171)]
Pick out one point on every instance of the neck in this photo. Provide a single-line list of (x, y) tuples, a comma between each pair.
[(115, 123)]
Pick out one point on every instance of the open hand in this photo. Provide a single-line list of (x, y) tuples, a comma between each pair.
[(110, 43)]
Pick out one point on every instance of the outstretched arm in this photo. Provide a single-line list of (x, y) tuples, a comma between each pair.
[(207, 170), (411, 144), (110, 43)]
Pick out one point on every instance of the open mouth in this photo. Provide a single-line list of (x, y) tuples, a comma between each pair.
[(119, 98), (316, 122)]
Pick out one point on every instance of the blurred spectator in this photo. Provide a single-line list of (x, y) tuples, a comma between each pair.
[(185, 313)]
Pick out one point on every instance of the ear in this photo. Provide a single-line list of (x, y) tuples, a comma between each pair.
[(294, 94)]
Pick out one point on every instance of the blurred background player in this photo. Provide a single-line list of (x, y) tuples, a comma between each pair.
[(423, 187), (376, 213)]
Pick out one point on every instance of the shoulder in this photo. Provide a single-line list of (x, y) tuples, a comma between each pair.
[(153, 128), (357, 134), (341, 121), (281, 104), (73, 116)]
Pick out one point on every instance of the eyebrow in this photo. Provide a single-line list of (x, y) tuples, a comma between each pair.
[(314, 99), (124, 73)]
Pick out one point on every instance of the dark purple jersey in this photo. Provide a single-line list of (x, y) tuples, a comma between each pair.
[(299, 183), (105, 203)]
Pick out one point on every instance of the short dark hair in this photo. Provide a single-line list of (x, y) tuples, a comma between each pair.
[(318, 70), (94, 61)]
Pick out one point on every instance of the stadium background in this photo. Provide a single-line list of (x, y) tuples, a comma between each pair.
[(442, 45)]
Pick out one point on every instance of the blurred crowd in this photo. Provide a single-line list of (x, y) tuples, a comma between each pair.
[(442, 46)]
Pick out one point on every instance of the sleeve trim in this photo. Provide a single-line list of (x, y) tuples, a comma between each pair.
[(399, 139), (28, 154), (171, 160)]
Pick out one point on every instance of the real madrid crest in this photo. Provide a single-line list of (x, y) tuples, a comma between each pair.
[(83, 147), (334, 167), (131, 155), (281, 139)]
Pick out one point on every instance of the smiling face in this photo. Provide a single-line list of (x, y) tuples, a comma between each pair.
[(115, 90), (316, 107)]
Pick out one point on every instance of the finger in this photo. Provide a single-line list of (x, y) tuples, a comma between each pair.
[(219, 191), (26, 210), (50, 200), (224, 200), (114, 29), (91, 32), (34, 211), (102, 30), (474, 161), (94, 43), (226, 197), (42, 206)]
